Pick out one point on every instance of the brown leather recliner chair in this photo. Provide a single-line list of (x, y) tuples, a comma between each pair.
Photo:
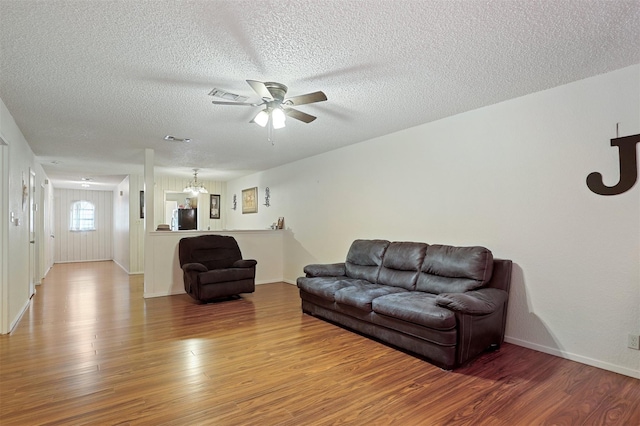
[(213, 267)]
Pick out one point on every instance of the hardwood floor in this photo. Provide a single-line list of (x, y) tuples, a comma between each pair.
[(91, 350)]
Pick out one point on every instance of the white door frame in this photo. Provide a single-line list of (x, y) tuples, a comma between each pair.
[(4, 236), (33, 251)]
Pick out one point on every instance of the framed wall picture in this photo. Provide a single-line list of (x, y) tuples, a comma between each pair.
[(250, 200), (141, 204), (214, 206)]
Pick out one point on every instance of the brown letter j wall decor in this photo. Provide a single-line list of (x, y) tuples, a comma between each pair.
[(628, 168)]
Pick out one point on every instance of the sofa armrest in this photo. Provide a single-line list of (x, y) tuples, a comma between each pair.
[(245, 263), (477, 302), (194, 267), (325, 270)]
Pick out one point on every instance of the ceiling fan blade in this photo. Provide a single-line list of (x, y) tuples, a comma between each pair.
[(299, 115), (260, 88), (233, 103), (309, 98)]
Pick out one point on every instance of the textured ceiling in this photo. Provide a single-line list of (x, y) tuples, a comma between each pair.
[(92, 83)]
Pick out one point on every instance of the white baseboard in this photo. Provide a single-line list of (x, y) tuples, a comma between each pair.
[(269, 281), (121, 267), (18, 317), (163, 294), (574, 357)]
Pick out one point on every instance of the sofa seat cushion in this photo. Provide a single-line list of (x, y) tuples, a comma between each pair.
[(223, 275), (324, 287), (415, 307), (361, 293)]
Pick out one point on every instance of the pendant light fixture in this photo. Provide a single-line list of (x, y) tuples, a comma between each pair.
[(194, 186)]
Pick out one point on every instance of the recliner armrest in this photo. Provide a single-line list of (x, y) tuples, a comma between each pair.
[(477, 302), (194, 267), (325, 270), (244, 263)]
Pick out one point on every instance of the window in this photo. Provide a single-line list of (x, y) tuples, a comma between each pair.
[(82, 216)]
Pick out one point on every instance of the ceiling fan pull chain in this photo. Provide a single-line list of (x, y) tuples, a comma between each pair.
[(270, 133)]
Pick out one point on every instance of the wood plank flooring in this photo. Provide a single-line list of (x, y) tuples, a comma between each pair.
[(91, 351)]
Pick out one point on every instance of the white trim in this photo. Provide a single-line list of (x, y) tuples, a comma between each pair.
[(121, 267), (4, 236), (269, 281), (152, 295), (82, 261), (175, 293), (573, 357), (18, 317), (195, 232)]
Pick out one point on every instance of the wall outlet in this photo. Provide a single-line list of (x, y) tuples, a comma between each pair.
[(634, 341)]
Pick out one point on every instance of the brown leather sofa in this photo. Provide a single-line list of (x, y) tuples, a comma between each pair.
[(446, 304), (213, 267)]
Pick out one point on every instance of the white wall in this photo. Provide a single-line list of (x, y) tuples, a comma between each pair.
[(510, 177), (129, 243), (83, 246), (18, 160), (266, 216), (48, 236), (136, 226), (121, 230), (163, 276)]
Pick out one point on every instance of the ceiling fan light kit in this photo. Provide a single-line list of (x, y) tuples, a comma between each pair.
[(277, 107), (278, 118), (262, 118)]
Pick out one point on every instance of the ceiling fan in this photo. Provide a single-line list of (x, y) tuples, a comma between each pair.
[(276, 106)]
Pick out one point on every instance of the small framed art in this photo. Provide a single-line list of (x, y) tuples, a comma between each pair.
[(250, 200), (214, 206)]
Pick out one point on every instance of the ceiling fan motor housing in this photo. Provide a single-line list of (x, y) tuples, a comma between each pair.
[(277, 90)]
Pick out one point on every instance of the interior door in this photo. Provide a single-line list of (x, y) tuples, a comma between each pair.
[(33, 257)]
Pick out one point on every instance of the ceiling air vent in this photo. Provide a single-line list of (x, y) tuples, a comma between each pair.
[(218, 93)]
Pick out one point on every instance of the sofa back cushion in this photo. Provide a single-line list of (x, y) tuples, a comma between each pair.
[(365, 258), (448, 269), (401, 264), (213, 251)]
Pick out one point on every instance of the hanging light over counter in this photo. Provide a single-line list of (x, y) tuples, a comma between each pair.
[(194, 186)]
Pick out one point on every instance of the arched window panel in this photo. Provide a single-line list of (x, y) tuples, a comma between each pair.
[(82, 216)]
